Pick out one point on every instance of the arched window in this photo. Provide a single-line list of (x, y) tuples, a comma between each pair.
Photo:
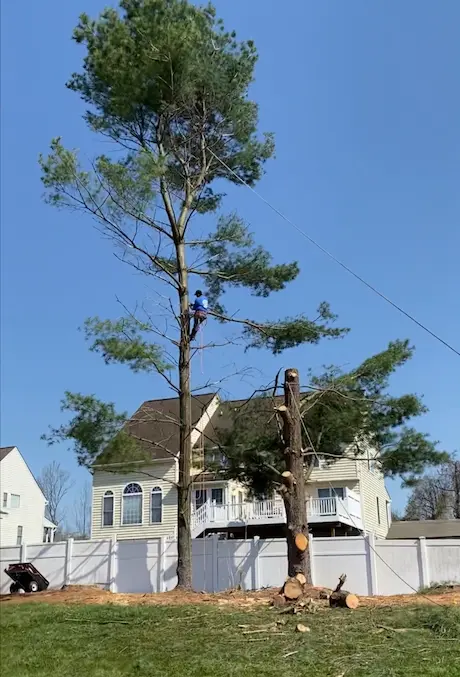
[(132, 504), (156, 505), (107, 509)]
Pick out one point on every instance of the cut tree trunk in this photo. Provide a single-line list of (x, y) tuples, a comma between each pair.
[(293, 487), (345, 599)]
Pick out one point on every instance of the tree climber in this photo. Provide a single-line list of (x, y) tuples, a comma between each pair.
[(200, 312)]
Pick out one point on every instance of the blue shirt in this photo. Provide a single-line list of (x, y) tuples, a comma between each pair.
[(200, 304)]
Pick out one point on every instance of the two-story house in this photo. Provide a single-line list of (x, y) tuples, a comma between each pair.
[(22, 515), (344, 498)]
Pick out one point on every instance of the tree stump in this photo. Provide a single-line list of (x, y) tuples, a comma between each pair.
[(343, 599)]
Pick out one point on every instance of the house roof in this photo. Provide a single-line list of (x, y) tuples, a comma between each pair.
[(48, 524), (4, 451), (427, 529), (156, 426)]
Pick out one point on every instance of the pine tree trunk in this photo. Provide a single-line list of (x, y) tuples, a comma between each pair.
[(293, 488), (184, 537)]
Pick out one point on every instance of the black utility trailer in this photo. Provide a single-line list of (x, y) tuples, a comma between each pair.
[(26, 577)]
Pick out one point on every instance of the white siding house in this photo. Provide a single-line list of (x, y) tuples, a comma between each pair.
[(22, 518), (343, 498)]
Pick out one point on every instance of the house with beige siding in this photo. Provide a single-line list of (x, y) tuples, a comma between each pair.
[(346, 497)]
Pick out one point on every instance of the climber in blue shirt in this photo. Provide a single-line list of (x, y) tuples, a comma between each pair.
[(200, 312)]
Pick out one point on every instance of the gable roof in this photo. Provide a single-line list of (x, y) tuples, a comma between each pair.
[(4, 451), (427, 529), (156, 426)]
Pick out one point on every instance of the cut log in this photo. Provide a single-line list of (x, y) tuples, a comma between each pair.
[(344, 599), (301, 542), (302, 628), (301, 578), (292, 589)]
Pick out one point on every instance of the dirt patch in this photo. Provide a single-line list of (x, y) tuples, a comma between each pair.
[(233, 598)]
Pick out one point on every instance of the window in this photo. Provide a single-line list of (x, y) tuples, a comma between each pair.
[(217, 496), (19, 536), (107, 509), (318, 462), (336, 492), (378, 510), (15, 501), (132, 504), (5, 500), (156, 505)]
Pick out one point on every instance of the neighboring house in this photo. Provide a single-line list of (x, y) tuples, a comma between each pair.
[(425, 529), (344, 498), (22, 518)]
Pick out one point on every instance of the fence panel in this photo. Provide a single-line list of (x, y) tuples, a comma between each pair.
[(50, 560), (335, 556), (91, 563), (443, 560), (398, 560)]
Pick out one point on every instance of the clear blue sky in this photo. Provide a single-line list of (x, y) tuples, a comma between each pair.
[(364, 101)]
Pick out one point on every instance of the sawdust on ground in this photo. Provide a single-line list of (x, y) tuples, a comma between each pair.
[(75, 594)]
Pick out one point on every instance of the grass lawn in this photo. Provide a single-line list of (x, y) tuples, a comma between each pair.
[(206, 641)]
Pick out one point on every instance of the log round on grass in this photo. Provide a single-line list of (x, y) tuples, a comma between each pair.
[(343, 599), (292, 589), (301, 542)]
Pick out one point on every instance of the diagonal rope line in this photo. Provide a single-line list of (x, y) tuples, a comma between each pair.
[(336, 260)]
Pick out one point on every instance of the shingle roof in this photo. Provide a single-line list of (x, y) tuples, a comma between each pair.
[(4, 451), (428, 529), (156, 425)]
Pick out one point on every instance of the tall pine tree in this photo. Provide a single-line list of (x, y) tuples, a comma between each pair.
[(167, 86)]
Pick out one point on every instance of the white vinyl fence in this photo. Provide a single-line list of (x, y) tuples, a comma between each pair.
[(373, 567)]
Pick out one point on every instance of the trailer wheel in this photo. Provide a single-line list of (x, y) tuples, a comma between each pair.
[(33, 586)]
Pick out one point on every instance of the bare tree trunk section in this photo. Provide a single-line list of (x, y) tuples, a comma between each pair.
[(293, 488), (184, 539)]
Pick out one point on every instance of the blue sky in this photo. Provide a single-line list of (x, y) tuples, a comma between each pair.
[(365, 105)]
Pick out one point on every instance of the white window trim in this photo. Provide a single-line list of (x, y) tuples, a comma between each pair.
[(141, 493), (157, 491), (108, 493), (15, 507)]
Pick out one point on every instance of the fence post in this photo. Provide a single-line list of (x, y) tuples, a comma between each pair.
[(23, 554), (113, 554), (423, 557), (371, 563), (161, 564), (256, 562), (215, 562), (311, 555), (68, 561)]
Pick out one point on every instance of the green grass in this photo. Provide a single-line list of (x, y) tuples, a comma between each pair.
[(205, 641)]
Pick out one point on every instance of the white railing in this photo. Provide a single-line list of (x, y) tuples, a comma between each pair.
[(321, 506), (318, 509)]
